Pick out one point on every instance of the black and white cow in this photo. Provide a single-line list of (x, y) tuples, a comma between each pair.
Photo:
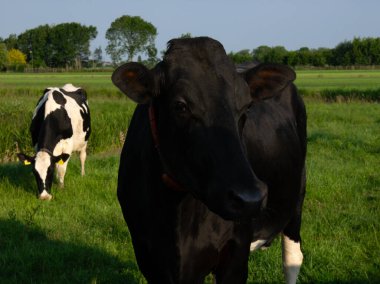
[(213, 161), (60, 125)]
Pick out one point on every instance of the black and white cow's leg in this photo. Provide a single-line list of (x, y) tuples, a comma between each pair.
[(292, 256), (61, 171), (82, 157)]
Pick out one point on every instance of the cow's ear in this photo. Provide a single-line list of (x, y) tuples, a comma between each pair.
[(25, 159), (267, 80), (61, 159), (136, 81)]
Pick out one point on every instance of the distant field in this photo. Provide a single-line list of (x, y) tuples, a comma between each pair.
[(338, 79), (43, 80), (306, 79)]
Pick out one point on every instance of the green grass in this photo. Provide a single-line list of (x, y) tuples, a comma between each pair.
[(78, 237), (81, 237)]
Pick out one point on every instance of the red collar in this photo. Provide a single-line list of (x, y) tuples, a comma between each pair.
[(166, 177)]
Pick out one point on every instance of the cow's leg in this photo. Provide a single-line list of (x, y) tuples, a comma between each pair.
[(82, 157), (292, 256), (61, 171)]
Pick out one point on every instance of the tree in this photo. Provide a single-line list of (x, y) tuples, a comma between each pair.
[(261, 54), (98, 55), (71, 44), (304, 56), (3, 56), (186, 35), (130, 36), (241, 56), (35, 43), (16, 59), (343, 54), (57, 46), (277, 54), (11, 41)]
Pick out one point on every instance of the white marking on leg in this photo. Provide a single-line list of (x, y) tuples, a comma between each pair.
[(45, 195), (257, 244), (82, 157), (292, 258), (61, 171)]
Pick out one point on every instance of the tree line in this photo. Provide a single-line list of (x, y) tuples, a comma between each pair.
[(130, 38), (359, 51)]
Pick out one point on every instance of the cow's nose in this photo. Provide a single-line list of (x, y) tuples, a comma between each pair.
[(248, 202)]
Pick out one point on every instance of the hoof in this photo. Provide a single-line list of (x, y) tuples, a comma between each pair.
[(45, 196)]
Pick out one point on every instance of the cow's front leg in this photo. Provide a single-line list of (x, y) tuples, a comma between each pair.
[(61, 171)]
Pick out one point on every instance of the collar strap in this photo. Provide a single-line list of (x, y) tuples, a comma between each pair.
[(46, 150), (165, 177)]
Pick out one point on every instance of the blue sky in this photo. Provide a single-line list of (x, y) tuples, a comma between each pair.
[(237, 24)]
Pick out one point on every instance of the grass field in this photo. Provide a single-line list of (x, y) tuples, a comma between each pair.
[(81, 237)]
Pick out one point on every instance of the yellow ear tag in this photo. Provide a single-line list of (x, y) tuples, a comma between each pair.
[(26, 162), (60, 162)]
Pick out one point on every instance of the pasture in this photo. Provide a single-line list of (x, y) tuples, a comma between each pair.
[(81, 237)]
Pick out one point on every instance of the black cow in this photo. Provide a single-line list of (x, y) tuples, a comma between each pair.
[(213, 161), (60, 125)]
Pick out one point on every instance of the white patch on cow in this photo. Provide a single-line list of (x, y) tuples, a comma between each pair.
[(42, 164), (257, 244), (70, 88), (51, 105), (85, 108), (73, 111), (292, 258), (45, 196)]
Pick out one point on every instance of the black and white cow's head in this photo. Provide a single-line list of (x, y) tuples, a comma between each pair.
[(59, 113), (201, 104), (43, 164)]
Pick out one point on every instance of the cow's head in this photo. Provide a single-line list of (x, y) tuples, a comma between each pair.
[(201, 104), (43, 164)]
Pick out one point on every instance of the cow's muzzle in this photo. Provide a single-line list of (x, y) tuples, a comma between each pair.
[(246, 203)]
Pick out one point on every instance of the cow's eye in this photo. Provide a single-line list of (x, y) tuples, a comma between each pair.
[(180, 107)]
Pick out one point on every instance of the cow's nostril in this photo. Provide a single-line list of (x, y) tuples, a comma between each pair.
[(245, 203), (237, 201)]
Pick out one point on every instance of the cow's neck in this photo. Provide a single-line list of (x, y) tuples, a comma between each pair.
[(166, 177)]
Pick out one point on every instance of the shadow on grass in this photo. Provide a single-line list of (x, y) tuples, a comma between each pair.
[(27, 255), (19, 176)]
